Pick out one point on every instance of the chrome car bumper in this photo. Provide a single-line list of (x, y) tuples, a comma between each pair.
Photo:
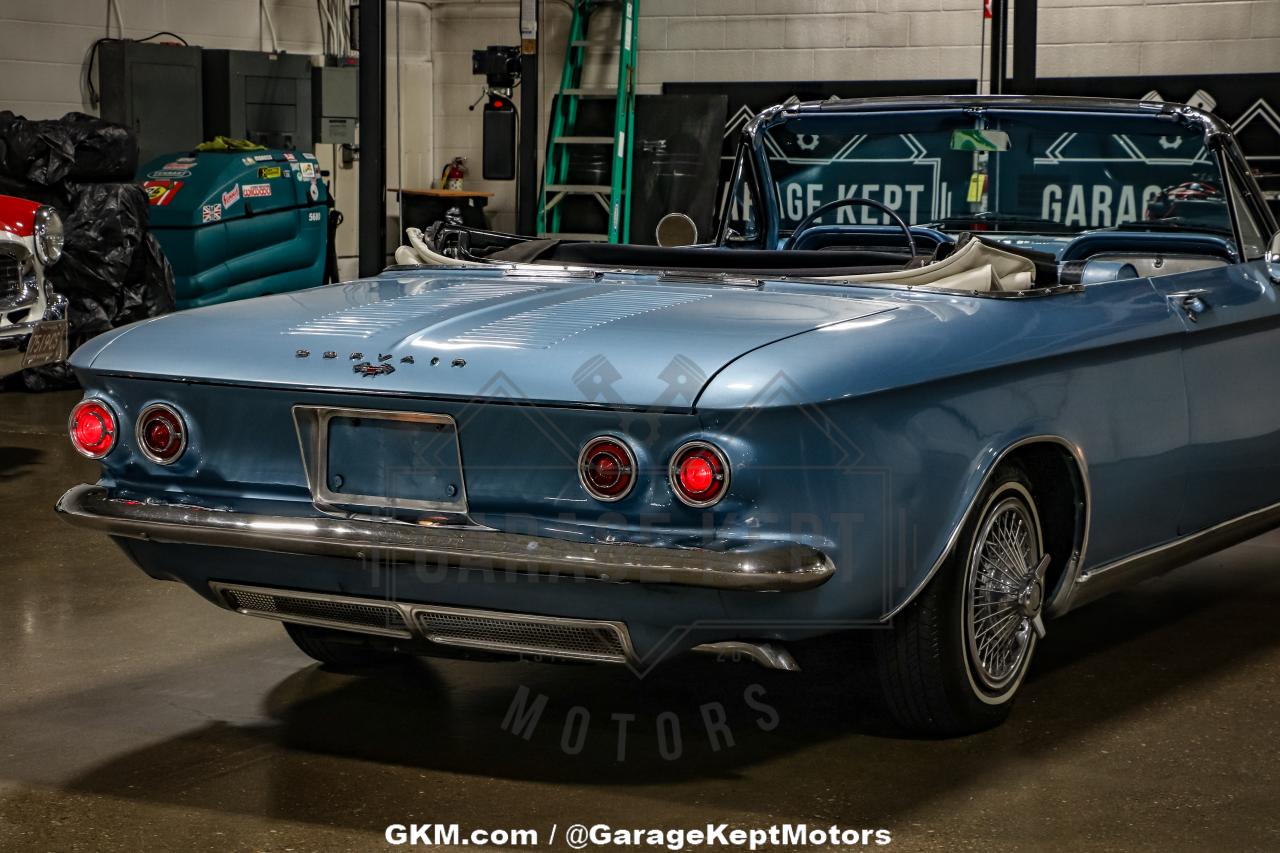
[(13, 345), (14, 342), (763, 567)]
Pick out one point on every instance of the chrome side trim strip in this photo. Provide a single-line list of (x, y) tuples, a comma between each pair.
[(1060, 596), (762, 566), (1100, 581)]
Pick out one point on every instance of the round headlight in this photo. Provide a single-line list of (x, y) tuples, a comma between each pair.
[(48, 235)]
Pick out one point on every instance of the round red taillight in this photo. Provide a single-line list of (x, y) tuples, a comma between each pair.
[(607, 468), (161, 433), (699, 474), (93, 428)]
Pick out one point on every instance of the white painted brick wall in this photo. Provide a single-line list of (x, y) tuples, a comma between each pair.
[(736, 40), (43, 42)]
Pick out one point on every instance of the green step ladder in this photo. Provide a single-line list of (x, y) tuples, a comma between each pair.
[(565, 132)]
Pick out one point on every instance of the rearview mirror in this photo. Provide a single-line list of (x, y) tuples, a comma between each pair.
[(1273, 258), (676, 229)]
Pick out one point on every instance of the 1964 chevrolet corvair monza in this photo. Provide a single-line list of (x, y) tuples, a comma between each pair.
[(952, 367)]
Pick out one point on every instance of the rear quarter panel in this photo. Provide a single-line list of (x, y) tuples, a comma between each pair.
[(879, 433)]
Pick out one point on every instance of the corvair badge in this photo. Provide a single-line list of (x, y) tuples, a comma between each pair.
[(364, 368)]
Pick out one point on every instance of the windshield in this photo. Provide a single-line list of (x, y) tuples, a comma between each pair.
[(1001, 170)]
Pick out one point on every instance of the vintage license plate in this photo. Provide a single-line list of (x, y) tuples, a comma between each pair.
[(409, 461), (48, 344)]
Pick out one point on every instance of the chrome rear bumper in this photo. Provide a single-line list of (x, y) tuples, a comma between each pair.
[(764, 567)]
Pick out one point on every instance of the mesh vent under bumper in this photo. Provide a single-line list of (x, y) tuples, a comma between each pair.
[(365, 617), (545, 636), (569, 638)]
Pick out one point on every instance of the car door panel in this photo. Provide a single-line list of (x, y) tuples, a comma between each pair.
[(1232, 317)]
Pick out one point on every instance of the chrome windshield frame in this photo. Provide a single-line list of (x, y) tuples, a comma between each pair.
[(1217, 134)]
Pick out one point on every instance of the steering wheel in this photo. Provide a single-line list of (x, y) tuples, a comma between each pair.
[(808, 221)]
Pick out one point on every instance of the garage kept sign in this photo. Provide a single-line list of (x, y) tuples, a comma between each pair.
[(1069, 171), (913, 173)]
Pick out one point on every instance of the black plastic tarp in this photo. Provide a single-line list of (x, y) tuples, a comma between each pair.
[(76, 147), (112, 270)]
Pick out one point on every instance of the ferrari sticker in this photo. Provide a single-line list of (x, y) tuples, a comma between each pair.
[(230, 197), (257, 190), (160, 193), (211, 213), (267, 173), (306, 171)]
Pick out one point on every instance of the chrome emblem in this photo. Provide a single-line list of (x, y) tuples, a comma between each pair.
[(364, 368)]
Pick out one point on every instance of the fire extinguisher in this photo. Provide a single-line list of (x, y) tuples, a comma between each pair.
[(453, 173)]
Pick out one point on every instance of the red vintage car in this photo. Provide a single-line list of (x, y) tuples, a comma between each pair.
[(33, 325)]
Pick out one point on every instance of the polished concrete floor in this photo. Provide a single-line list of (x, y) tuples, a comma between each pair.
[(133, 716)]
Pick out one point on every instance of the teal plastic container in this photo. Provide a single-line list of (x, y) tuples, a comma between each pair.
[(238, 224)]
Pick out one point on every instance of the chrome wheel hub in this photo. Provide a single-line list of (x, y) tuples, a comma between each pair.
[(1005, 594), (1031, 598)]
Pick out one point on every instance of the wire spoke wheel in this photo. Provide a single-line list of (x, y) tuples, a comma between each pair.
[(1004, 593)]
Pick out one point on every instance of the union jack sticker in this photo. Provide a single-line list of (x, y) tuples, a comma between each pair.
[(211, 212)]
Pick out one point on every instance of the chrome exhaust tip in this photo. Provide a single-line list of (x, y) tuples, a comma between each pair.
[(767, 655)]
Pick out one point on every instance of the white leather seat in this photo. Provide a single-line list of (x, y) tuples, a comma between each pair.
[(973, 266)]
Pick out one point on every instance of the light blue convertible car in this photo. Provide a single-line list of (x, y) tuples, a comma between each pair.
[(952, 367)]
